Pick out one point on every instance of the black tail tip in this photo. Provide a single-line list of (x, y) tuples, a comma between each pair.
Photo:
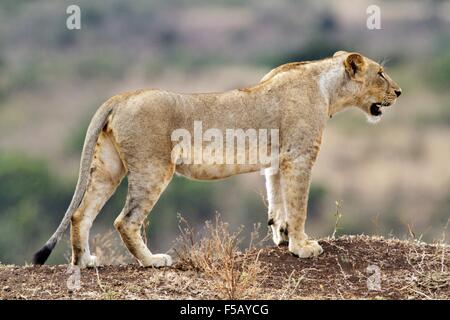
[(42, 255)]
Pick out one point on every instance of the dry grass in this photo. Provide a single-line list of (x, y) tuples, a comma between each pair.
[(430, 272), (109, 249), (233, 274), (212, 267)]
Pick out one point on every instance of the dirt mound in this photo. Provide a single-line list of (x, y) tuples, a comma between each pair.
[(351, 267)]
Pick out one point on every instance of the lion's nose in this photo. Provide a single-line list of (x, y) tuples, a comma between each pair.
[(398, 92)]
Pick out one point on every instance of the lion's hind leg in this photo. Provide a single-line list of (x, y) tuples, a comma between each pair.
[(107, 171), (145, 185), (277, 215)]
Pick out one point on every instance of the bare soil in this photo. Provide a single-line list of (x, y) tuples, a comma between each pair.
[(407, 270)]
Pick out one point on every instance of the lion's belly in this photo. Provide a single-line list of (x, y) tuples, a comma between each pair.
[(214, 171)]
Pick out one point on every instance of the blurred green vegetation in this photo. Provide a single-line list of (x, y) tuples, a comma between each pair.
[(315, 49), (30, 197), (441, 70), (440, 116), (100, 66), (11, 6)]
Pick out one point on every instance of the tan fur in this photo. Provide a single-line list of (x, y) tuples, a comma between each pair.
[(297, 99)]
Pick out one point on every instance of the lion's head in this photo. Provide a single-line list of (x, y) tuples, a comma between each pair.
[(372, 88)]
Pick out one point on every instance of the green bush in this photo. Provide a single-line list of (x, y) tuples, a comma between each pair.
[(32, 202)]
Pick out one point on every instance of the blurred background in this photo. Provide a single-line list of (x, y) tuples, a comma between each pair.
[(392, 178)]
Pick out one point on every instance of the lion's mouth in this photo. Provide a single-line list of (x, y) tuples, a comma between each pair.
[(375, 109)]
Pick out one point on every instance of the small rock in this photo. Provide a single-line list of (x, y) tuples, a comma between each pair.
[(7, 288)]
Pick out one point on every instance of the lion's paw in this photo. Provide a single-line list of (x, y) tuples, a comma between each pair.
[(88, 261), (157, 261), (305, 248)]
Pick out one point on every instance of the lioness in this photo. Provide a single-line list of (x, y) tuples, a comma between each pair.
[(130, 134)]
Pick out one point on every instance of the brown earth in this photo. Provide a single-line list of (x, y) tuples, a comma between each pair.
[(408, 270)]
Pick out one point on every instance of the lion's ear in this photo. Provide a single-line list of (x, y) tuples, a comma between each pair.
[(354, 65), (338, 53)]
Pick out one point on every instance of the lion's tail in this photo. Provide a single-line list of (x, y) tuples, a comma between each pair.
[(95, 127)]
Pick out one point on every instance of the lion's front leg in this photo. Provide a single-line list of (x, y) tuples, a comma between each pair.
[(277, 217), (295, 181)]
